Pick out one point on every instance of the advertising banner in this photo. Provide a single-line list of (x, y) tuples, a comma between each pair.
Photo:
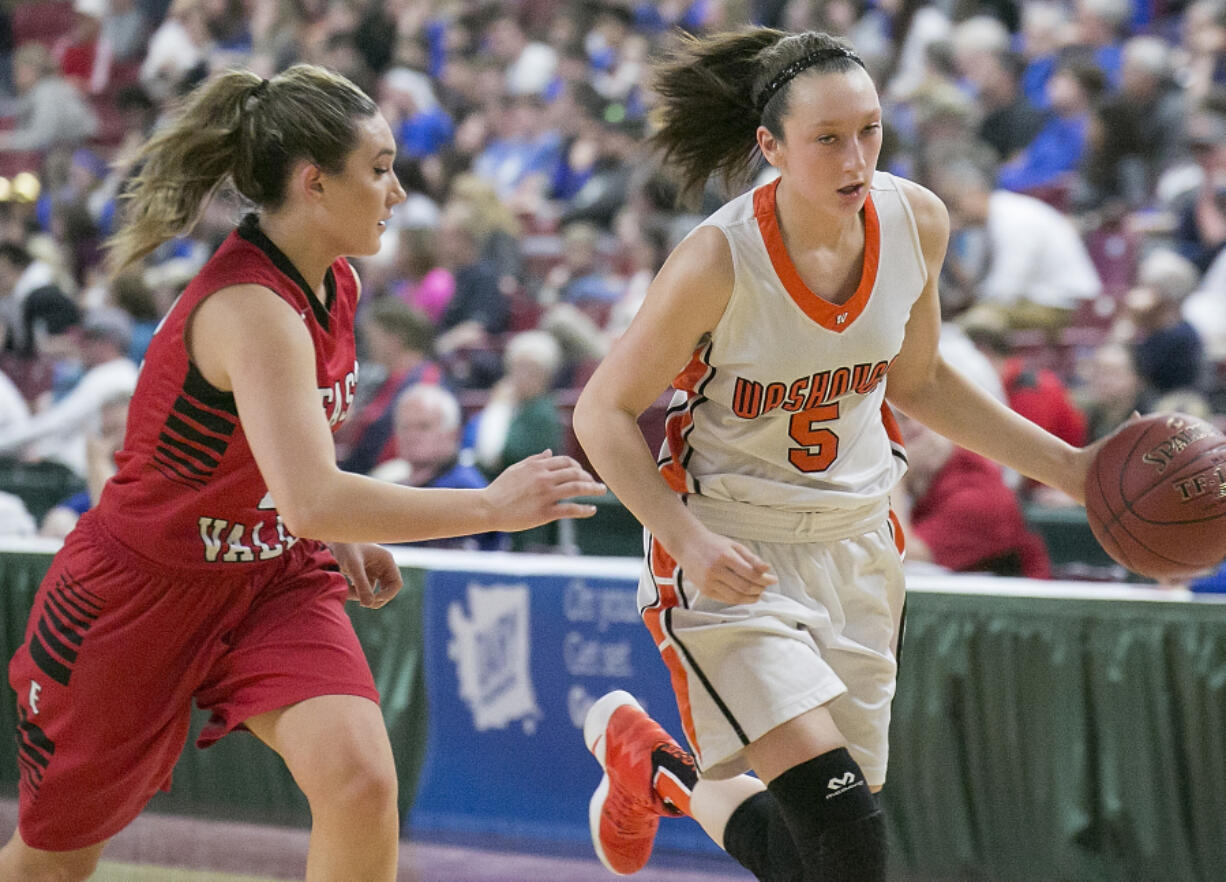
[(513, 662)]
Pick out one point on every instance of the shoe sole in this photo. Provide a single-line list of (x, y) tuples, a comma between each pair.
[(595, 726)]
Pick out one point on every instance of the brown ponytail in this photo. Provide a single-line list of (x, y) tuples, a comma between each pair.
[(241, 128), (713, 92)]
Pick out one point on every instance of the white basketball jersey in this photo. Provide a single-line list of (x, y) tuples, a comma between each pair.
[(783, 405)]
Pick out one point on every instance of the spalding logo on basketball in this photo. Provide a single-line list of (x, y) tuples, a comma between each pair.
[(1156, 496)]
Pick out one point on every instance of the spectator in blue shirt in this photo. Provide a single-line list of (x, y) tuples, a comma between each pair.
[(427, 433), (1058, 148)]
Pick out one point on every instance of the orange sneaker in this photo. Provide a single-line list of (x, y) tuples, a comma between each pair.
[(625, 810)]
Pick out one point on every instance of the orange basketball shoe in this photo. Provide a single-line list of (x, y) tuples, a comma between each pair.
[(625, 810)]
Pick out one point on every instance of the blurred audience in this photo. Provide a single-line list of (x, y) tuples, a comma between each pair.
[(1066, 138), (102, 442), (51, 111), (59, 432), (1036, 272), (399, 347), (959, 514), (427, 442), (1166, 349)]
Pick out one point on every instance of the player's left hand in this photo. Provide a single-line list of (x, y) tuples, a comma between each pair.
[(374, 579)]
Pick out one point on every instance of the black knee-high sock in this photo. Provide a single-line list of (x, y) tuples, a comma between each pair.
[(835, 830), (758, 838)]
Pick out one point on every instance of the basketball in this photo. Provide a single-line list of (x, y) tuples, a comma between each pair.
[(1156, 496)]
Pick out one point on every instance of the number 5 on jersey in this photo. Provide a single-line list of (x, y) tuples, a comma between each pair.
[(818, 445)]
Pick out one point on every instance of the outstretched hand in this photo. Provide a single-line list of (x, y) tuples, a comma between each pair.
[(725, 570), (374, 579), (535, 491)]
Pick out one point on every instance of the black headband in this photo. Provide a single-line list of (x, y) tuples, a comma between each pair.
[(259, 90), (805, 62)]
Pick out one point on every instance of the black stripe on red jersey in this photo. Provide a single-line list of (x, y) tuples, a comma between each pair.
[(198, 455), (197, 387), (250, 230), (218, 425), (62, 628), (71, 605), (159, 462), (67, 615), (170, 474), (47, 663), (34, 749), (201, 414), (191, 433), (83, 595), (50, 640)]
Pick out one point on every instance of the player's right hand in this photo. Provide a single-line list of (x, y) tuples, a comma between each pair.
[(725, 570), (535, 491)]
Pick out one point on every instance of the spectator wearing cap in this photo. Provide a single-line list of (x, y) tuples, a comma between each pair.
[(50, 110), (59, 432), (52, 321), (581, 279), (20, 274)]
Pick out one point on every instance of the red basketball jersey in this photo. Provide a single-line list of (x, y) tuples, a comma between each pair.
[(188, 491)]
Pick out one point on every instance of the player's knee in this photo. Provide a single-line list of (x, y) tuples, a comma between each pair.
[(353, 776), (357, 785), (834, 817)]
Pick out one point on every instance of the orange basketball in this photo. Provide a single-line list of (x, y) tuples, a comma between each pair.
[(1156, 496)]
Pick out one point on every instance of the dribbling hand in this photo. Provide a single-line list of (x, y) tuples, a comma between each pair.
[(724, 570), (534, 492)]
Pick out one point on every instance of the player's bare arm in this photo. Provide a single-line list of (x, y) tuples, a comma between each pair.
[(925, 387), (248, 340), (683, 304)]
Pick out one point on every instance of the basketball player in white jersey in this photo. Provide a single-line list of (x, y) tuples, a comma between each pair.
[(773, 583)]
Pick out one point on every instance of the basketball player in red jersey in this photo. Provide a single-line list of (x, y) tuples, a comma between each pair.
[(203, 573), (773, 585)]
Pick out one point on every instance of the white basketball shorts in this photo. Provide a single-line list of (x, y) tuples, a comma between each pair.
[(825, 634)]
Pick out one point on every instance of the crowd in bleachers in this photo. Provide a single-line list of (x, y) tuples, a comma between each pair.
[(1079, 145)]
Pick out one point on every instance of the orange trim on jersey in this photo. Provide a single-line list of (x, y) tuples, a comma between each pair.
[(677, 423), (892, 430), (831, 316), (900, 538), (664, 569)]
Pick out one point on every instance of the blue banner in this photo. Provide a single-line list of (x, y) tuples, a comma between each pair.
[(513, 662)]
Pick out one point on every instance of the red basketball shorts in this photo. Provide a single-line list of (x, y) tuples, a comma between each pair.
[(116, 649)]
